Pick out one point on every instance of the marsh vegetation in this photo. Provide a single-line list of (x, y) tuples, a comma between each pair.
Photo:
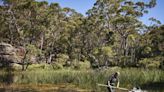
[(87, 79)]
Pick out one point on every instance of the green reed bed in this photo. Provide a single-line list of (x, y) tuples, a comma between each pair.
[(87, 79), (137, 77)]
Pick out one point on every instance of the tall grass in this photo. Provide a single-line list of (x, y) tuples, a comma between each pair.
[(87, 79), (137, 77)]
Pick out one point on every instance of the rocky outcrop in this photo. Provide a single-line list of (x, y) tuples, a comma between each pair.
[(10, 55)]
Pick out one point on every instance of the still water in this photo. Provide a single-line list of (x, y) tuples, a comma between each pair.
[(154, 87), (53, 88), (8, 83), (38, 88)]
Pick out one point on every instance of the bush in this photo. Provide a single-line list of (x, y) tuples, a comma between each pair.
[(162, 64), (57, 66), (125, 61), (16, 66), (107, 51), (54, 66), (75, 64), (36, 66), (80, 64), (84, 65), (62, 59), (149, 63)]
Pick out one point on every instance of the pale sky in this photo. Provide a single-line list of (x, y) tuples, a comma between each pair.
[(82, 6)]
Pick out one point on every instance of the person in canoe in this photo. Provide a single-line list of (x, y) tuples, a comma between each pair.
[(113, 81)]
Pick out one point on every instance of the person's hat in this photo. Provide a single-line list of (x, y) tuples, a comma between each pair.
[(118, 73)]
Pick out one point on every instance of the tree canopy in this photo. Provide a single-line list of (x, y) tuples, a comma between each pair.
[(111, 33)]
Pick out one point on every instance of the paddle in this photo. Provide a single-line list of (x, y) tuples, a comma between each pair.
[(111, 86)]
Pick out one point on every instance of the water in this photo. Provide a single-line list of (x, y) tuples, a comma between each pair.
[(154, 87), (36, 88)]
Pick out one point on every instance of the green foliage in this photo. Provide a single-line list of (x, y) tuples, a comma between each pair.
[(36, 66), (104, 56), (146, 50), (107, 51), (149, 63), (132, 37), (162, 65), (16, 67), (75, 64), (62, 59), (56, 66), (109, 32), (125, 61), (33, 50), (80, 65)]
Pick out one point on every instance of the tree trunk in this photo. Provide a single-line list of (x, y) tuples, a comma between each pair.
[(42, 41), (23, 61), (50, 58)]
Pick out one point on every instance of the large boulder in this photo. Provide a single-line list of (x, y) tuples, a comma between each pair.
[(9, 55), (6, 49)]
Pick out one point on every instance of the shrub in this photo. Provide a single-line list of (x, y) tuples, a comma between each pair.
[(75, 64), (36, 66), (84, 65), (149, 63), (57, 66), (125, 61), (107, 51), (162, 65), (62, 59), (80, 64), (16, 66)]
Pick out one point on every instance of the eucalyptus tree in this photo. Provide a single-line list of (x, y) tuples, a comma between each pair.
[(151, 42), (121, 18), (55, 28), (10, 15), (72, 33), (16, 17), (126, 23), (19, 19)]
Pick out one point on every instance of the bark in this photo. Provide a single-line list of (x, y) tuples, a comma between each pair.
[(23, 61)]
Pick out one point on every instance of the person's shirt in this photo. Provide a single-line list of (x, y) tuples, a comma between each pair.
[(113, 80)]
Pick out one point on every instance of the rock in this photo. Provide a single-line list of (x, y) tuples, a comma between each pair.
[(6, 49), (10, 55)]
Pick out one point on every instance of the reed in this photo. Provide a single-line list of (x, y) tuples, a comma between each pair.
[(87, 79)]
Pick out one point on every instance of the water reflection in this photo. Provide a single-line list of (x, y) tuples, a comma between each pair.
[(37, 88), (7, 78), (154, 87), (16, 90), (8, 83)]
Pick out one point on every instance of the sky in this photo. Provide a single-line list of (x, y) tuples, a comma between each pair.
[(82, 6)]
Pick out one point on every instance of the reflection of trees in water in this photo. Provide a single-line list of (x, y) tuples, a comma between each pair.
[(7, 77), (19, 89), (154, 87)]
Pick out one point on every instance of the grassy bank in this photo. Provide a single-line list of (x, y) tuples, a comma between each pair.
[(87, 79)]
